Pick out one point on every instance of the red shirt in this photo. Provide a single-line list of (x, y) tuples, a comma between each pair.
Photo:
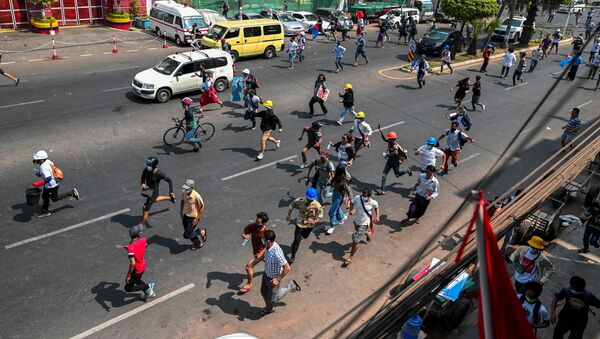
[(136, 250), (257, 235), (486, 53)]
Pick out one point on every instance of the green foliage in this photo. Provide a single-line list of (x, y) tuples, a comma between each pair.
[(44, 20), (42, 3), (134, 8), (112, 15), (470, 10)]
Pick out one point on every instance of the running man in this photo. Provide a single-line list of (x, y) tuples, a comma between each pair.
[(477, 93), (455, 135), (339, 51), (429, 153), (446, 59), (363, 208), (301, 46), (8, 75), (571, 128), (50, 178), (292, 51), (360, 50), (150, 183), (427, 188), (255, 233), (347, 100), (190, 124), (395, 156), (361, 131), (190, 209), (137, 265), (251, 101), (323, 175), (315, 139), (310, 212), (269, 122)]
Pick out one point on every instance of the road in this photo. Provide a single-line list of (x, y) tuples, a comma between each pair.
[(82, 112)]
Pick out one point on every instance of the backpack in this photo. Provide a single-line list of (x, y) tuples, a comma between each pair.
[(466, 121), (402, 152), (57, 173), (536, 309)]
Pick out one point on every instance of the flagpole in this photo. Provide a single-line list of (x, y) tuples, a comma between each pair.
[(484, 284)]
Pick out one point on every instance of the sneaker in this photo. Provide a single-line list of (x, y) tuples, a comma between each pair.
[(343, 220), (75, 193), (304, 165), (380, 192), (151, 293), (17, 82), (330, 230), (409, 171), (482, 107), (43, 214), (254, 127), (260, 156), (278, 143), (339, 123)]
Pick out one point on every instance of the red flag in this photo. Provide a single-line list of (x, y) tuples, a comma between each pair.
[(508, 319)]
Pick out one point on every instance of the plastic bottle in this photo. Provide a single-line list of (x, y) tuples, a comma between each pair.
[(244, 242), (411, 328)]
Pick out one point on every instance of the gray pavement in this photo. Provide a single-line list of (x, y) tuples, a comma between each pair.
[(99, 134)]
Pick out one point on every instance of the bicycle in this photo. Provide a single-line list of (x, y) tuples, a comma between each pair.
[(175, 136)]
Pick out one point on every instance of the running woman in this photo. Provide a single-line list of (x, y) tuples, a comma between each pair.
[(346, 153), (320, 94), (50, 179), (137, 264), (190, 124), (150, 183), (255, 233), (339, 51), (209, 93), (395, 156), (341, 192)]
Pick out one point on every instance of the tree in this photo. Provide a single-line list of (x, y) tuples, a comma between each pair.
[(471, 11), (532, 8), (481, 26), (44, 4)]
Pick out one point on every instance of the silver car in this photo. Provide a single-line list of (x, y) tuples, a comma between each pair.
[(291, 26)]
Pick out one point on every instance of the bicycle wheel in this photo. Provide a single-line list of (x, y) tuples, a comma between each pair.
[(174, 136), (205, 131)]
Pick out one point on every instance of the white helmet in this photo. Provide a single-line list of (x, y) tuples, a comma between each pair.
[(246, 71), (40, 155)]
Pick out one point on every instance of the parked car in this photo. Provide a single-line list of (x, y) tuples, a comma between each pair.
[(249, 16), (175, 21), (442, 17), (425, 8), (386, 10), (516, 29), (307, 18), (433, 42), (397, 13), (177, 74), (291, 26), (211, 17), (576, 5), (329, 15)]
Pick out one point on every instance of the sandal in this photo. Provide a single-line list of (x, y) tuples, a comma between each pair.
[(347, 263), (296, 286), (246, 288), (205, 236)]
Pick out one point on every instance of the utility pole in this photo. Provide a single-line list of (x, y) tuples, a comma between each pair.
[(240, 9)]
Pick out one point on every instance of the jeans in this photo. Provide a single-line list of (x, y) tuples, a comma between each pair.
[(533, 65), (517, 76), (390, 165), (300, 54), (563, 327), (346, 110), (504, 72), (136, 283), (190, 231), (338, 63), (52, 193), (292, 57), (314, 100), (336, 214), (321, 191), (189, 135), (421, 78), (299, 234)]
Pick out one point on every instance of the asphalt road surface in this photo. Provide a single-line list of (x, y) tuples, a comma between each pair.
[(82, 112)]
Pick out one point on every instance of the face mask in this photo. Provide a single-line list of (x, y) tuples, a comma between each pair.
[(534, 251), (365, 198), (149, 168), (185, 191), (37, 166), (429, 146), (531, 300), (263, 242)]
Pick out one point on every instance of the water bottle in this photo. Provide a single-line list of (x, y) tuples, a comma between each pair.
[(328, 145), (411, 328), (328, 192), (244, 242)]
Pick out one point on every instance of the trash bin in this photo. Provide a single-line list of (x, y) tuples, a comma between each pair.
[(33, 195)]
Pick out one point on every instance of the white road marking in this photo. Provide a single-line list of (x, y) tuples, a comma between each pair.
[(62, 230), (151, 48), (392, 125), (85, 55), (65, 57), (111, 70), (7, 63), (108, 53), (34, 60), (585, 104), (472, 156), (23, 103), (115, 89), (131, 50), (133, 312), (258, 168), (528, 129), (519, 85)]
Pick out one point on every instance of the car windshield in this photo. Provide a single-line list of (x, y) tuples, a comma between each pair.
[(287, 18), (167, 66), (515, 22), (216, 32), (437, 35), (311, 17), (190, 20)]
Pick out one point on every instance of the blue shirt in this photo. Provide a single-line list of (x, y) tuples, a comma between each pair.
[(339, 51), (577, 60), (361, 44), (573, 126)]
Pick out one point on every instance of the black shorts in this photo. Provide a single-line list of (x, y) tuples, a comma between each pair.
[(150, 195), (1, 71)]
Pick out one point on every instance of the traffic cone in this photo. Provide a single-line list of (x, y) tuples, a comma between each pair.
[(165, 41), (54, 55), (115, 50)]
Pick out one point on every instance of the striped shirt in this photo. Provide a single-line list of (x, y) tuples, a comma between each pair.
[(274, 261), (573, 126)]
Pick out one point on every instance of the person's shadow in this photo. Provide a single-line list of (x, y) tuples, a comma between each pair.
[(237, 307), (108, 292), (250, 152), (173, 246), (27, 212), (234, 280), (334, 248), (132, 220)]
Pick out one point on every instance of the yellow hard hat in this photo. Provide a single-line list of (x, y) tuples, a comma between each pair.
[(268, 103), (536, 242), (348, 86), (360, 115)]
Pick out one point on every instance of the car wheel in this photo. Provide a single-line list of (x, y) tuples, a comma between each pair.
[(269, 52), (163, 95), (235, 56), (178, 41), (220, 84)]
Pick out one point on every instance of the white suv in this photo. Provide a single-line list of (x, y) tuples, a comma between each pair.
[(177, 74), (516, 29)]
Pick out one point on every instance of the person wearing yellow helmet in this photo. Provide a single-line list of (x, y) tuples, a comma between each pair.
[(269, 122), (347, 99)]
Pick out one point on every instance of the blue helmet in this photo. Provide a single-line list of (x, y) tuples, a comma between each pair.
[(311, 194), (446, 46), (431, 141)]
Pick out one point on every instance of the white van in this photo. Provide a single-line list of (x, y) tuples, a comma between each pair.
[(397, 15), (177, 74), (211, 17), (176, 20)]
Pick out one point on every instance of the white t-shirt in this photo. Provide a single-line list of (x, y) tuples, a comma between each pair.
[(361, 217), (428, 155), (361, 126), (542, 315), (46, 171), (509, 59), (531, 272)]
